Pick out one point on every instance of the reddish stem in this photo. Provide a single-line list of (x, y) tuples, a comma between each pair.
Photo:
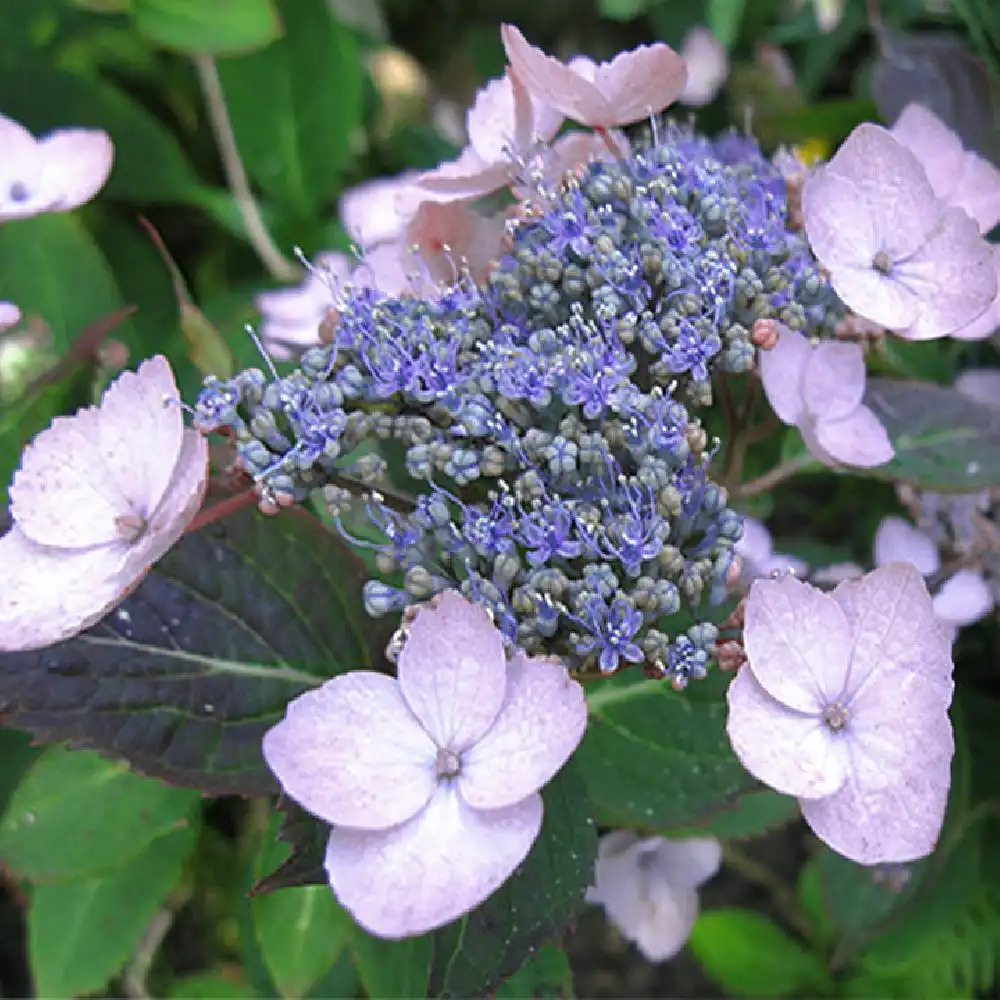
[(608, 141), (208, 515)]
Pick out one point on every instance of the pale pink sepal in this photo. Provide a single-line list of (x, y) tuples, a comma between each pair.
[(511, 761), (99, 496), (428, 871), (863, 741), (632, 86), (352, 753)]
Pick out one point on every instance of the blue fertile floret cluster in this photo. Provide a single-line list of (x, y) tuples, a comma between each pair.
[(555, 472)]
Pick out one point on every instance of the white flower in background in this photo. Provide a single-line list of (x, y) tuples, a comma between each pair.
[(290, 317), (429, 781), (649, 887), (707, 67), (827, 13), (10, 315), (55, 173), (371, 211), (99, 497), (843, 703), (756, 550), (962, 599)]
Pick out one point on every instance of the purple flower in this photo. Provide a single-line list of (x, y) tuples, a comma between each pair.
[(612, 632), (819, 390), (959, 177), (896, 255), (430, 781), (843, 703), (548, 532)]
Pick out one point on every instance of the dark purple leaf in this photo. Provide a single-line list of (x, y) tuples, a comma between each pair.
[(944, 441), (186, 675), (939, 71)]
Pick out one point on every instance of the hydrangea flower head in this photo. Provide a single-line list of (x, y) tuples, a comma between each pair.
[(819, 388), (430, 781), (559, 380), (99, 497), (55, 173), (896, 254), (632, 86), (843, 703), (958, 176), (649, 887)]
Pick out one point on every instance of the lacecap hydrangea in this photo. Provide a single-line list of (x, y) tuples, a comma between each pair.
[(555, 469)]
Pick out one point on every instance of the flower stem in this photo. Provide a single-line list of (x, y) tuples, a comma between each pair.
[(774, 477), (783, 897), (278, 266), (208, 515)]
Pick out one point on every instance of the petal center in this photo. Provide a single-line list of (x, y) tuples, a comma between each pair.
[(448, 764), (835, 716), (882, 263)]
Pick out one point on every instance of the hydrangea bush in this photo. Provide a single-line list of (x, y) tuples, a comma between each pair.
[(467, 571)]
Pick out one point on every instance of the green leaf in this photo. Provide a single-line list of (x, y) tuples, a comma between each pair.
[(206, 347), (622, 10), (81, 933), (809, 891), (211, 986), (75, 814), (647, 728), (295, 105), (51, 267), (943, 440), (216, 28), (301, 931), (16, 756), (546, 974), (748, 955), (724, 19), (149, 163), (390, 969), (305, 837), (939, 71), (191, 670), (753, 813), (858, 898), (473, 955)]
